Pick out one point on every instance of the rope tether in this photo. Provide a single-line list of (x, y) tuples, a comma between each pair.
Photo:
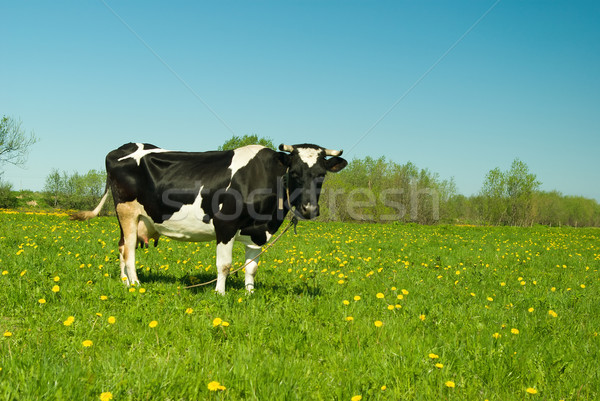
[(293, 221)]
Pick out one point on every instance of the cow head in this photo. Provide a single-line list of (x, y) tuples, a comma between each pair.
[(307, 165)]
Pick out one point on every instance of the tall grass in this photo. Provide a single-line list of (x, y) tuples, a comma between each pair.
[(493, 311)]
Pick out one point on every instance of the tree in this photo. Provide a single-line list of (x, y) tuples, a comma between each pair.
[(509, 195), (54, 186), (494, 196), (236, 142), (520, 187), (74, 191), (14, 142)]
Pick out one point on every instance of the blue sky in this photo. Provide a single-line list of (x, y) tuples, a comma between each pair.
[(459, 94)]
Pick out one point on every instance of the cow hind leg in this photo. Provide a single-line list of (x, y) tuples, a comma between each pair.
[(128, 218), (252, 252), (122, 258), (224, 259)]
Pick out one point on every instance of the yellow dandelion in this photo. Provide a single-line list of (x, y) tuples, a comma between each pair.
[(215, 386), (153, 324), (422, 317), (400, 296), (552, 313), (42, 301), (7, 334), (87, 343), (346, 302), (4, 272), (380, 295), (142, 290), (131, 289), (349, 318), (531, 390), (582, 285), (514, 331), (111, 320), (530, 310), (217, 321), (225, 324), (69, 321), (189, 311), (356, 398), (23, 272), (378, 323), (404, 292), (450, 384), (103, 297), (433, 356), (439, 365), (106, 396), (341, 282), (496, 335), (55, 288), (56, 279), (490, 299), (357, 297), (383, 388)]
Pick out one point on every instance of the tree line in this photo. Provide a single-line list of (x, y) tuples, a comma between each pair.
[(377, 190)]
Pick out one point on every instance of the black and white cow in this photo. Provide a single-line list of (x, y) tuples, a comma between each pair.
[(242, 194)]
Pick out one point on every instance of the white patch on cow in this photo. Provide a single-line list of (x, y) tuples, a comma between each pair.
[(309, 155), (141, 152), (243, 155), (187, 223)]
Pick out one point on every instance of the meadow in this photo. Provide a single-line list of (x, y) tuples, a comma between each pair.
[(341, 312)]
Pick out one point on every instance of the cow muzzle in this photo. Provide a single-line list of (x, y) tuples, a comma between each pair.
[(309, 211)]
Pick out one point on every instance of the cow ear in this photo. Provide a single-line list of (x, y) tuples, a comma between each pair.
[(335, 164), (284, 158)]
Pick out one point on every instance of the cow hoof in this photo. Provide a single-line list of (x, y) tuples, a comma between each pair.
[(130, 283)]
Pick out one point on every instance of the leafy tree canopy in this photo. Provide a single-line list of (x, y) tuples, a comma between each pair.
[(236, 142)]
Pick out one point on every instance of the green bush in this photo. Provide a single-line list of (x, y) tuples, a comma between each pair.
[(7, 197)]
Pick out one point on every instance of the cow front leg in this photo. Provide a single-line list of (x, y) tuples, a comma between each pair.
[(224, 258), (252, 252)]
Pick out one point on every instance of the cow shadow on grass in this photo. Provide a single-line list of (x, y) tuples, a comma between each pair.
[(154, 277), (235, 282)]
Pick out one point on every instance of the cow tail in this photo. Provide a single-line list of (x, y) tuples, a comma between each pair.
[(90, 214)]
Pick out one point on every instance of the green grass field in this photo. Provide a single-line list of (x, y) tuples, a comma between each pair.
[(384, 312)]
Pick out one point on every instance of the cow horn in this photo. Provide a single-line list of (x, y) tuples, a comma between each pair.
[(330, 152), (286, 148)]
